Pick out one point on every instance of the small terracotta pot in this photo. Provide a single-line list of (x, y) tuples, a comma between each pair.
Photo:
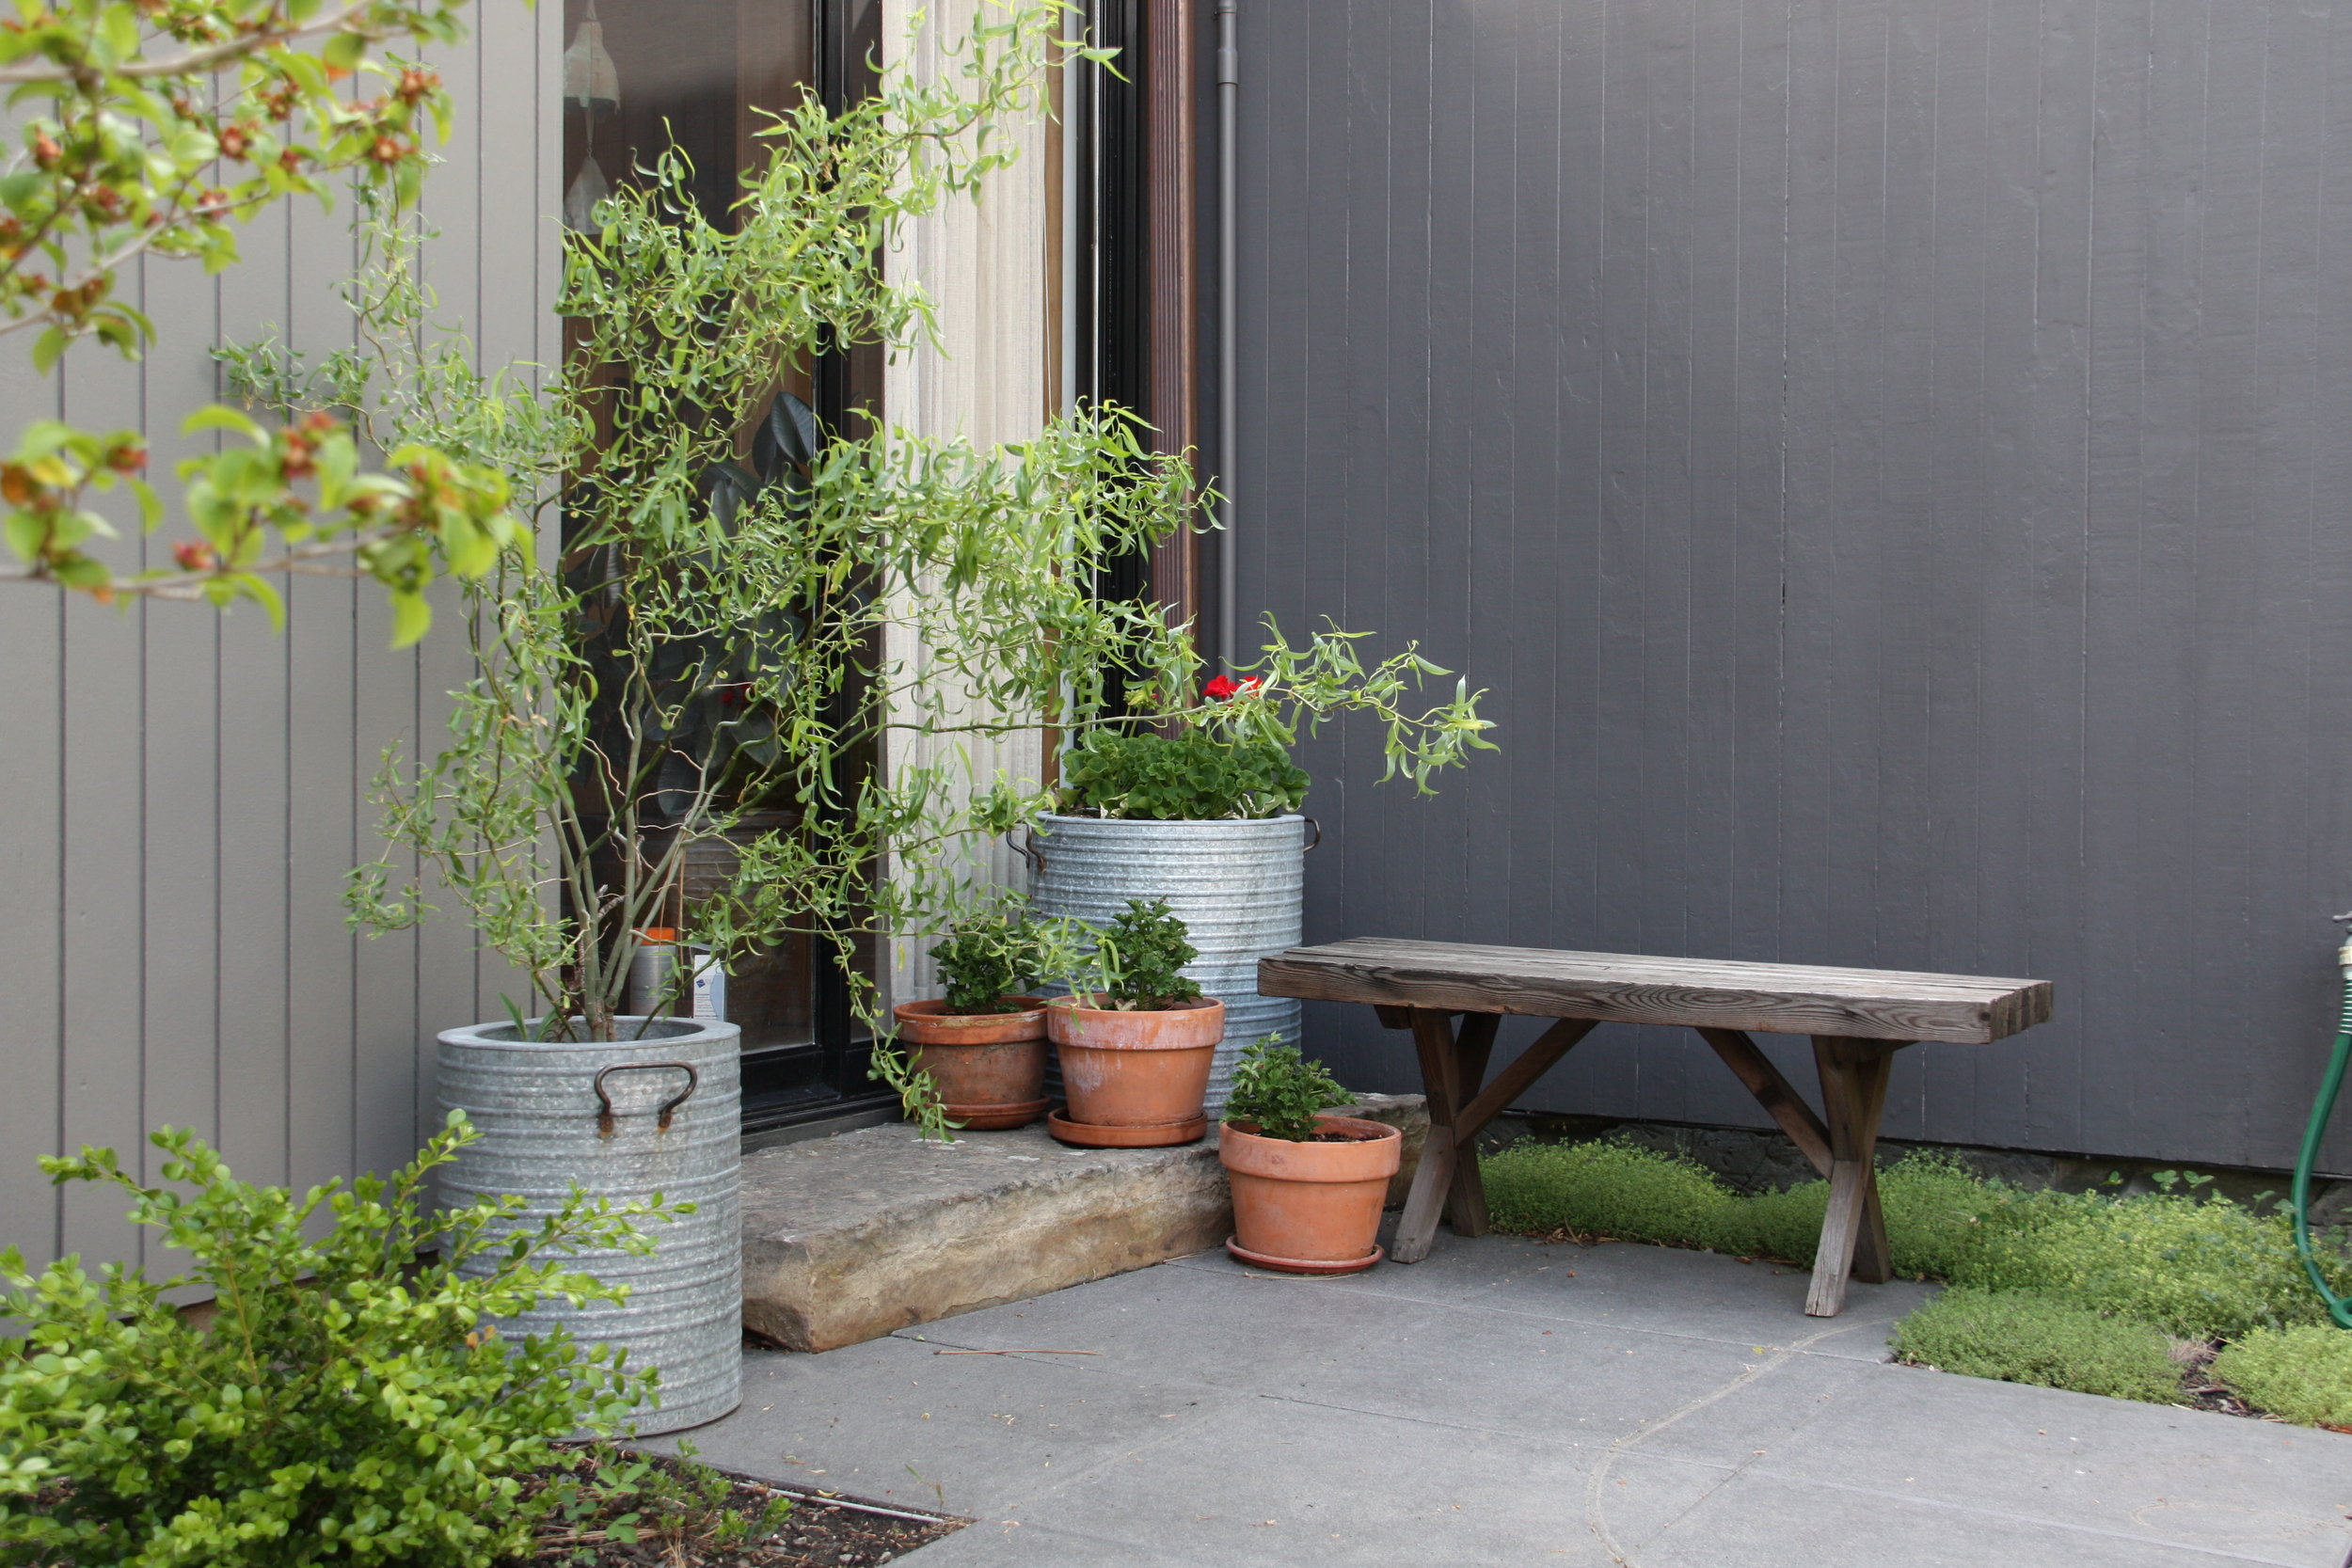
[(990, 1067), (1136, 1069), (1310, 1208)]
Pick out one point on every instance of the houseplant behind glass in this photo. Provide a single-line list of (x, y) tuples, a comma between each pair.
[(1135, 1038), (1308, 1188), (983, 1044)]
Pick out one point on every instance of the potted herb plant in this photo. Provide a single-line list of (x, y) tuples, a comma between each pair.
[(1308, 1188), (984, 1044), (1135, 1038), (1202, 811)]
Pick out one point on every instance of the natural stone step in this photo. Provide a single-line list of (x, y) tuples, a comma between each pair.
[(849, 1238)]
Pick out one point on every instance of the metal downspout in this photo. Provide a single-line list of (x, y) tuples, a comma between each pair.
[(1227, 416)]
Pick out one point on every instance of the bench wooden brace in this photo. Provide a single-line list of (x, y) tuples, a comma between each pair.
[(1854, 1076)]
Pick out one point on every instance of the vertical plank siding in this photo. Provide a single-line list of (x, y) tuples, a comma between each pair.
[(185, 791), (1886, 460)]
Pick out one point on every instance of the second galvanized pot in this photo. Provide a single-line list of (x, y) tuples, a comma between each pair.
[(624, 1119), (1236, 885)]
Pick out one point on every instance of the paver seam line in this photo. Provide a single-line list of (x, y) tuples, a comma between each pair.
[(1595, 1510)]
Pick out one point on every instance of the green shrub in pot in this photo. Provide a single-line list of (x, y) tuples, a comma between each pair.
[(1196, 799), (983, 1046), (1278, 1092), (1135, 1036), (1136, 962), (988, 957), (1308, 1189)]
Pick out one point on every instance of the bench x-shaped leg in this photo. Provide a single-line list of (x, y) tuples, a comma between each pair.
[(1451, 1070), (1854, 1232), (1853, 1090)]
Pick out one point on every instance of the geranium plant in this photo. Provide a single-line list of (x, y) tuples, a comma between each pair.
[(1226, 756), (1190, 776)]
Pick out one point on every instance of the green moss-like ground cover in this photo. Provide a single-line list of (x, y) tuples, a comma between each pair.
[(2082, 1291)]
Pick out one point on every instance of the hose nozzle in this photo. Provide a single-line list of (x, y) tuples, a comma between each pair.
[(2344, 952)]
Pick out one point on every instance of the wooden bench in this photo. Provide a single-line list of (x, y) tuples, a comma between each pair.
[(1858, 1019)]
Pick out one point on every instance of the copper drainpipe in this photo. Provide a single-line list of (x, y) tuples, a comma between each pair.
[(1174, 348), (1228, 416)]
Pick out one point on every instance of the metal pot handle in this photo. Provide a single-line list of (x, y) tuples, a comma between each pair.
[(1318, 838), (604, 1100), (1028, 852)]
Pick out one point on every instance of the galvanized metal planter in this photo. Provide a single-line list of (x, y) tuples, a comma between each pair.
[(623, 1119), (1236, 885)]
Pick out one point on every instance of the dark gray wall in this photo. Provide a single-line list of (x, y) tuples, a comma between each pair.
[(184, 789), (1885, 462)]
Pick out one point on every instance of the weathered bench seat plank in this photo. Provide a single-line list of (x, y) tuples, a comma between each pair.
[(1794, 999)]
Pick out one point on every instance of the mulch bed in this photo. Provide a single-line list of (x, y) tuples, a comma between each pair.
[(686, 1514)]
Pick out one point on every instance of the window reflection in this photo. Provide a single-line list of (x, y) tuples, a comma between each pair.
[(640, 76)]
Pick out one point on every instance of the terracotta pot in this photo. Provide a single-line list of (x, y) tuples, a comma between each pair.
[(1136, 1069), (1312, 1208), (990, 1067)]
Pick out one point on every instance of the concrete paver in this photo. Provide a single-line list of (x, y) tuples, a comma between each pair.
[(1483, 1408)]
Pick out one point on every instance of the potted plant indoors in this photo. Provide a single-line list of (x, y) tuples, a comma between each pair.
[(984, 1044), (1202, 810), (1135, 1038), (1308, 1188)]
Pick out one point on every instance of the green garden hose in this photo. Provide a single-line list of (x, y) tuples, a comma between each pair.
[(2322, 1108)]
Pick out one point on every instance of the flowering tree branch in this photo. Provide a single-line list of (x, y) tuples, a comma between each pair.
[(158, 126)]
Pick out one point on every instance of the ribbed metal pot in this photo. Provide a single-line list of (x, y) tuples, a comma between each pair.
[(544, 1126), (1236, 886)]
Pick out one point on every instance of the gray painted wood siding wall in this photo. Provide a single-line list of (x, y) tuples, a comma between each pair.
[(183, 791), (1887, 460)]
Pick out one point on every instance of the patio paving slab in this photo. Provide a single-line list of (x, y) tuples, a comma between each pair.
[(1481, 1408)]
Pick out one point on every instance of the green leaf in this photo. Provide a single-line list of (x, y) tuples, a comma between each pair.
[(344, 51), (248, 585), (119, 31), (48, 349), (214, 415), (412, 617)]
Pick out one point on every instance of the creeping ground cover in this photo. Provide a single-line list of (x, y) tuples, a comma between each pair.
[(2152, 1295)]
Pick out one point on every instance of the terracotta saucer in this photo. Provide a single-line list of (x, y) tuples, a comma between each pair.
[(992, 1118), (1152, 1135), (1304, 1265)]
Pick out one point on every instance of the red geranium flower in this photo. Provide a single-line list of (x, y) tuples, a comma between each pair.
[(1225, 686)]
